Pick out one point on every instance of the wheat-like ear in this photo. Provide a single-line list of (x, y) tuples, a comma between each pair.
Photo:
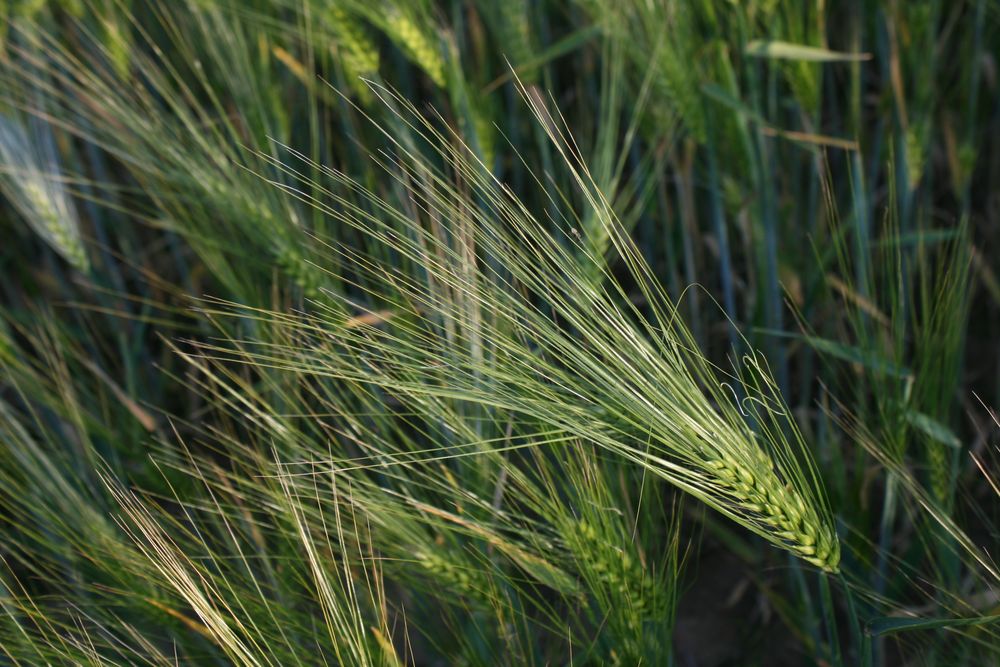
[(759, 494), (415, 39), (766, 480), (30, 179), (358, 52), (588, 363)]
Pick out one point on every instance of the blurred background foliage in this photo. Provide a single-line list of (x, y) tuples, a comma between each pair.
[(820, 177)]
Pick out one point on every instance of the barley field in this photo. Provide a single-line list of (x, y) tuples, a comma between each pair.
[(500, 332)]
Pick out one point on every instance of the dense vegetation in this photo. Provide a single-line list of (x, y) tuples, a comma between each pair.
[(479, 332)]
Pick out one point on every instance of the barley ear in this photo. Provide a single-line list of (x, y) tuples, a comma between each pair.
[(416, 42), (357, 50)]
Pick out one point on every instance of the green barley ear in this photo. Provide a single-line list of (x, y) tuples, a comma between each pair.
[(769, 479), (114, 25), (762, 477), (486, 133), (357, 50), (677, 86), (292, 264), (5, 18), (590, 365), (759, 495), (511, 25), (29, 178), (416, 39), (28, 9), (916, 156), (6, 341), (939, 465), (117, 39), (459, 578), (658, 38), (608, 562)]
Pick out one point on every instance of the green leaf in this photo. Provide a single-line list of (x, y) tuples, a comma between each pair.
[(933, 429), (854, 355), (721, 96), (890, 624), (922, 238), (542, 570), (565, 45), (776, 50)]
